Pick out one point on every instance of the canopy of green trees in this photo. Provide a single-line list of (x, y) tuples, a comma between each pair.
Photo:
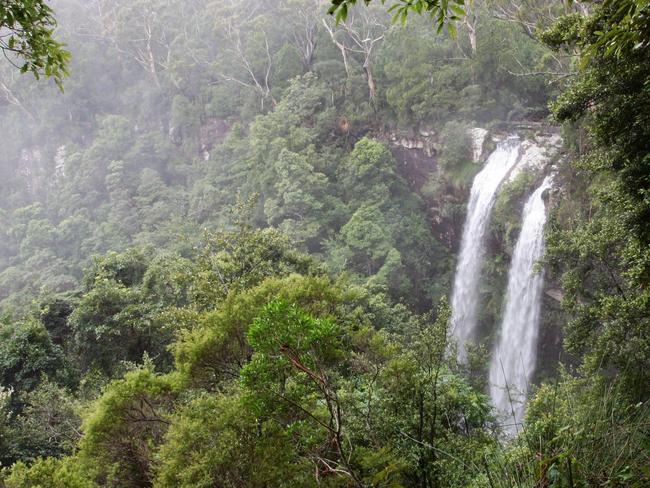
[(226, 249)]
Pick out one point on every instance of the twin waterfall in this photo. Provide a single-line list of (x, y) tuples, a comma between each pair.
[(514, 357)]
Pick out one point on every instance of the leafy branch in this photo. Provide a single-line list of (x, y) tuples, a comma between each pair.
[(27, 39), (441, 11)]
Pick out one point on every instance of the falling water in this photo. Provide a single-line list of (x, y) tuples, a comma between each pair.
[(484, 188), (514, 358)]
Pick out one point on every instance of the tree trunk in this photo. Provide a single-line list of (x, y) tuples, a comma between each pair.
[(471, 32), (372, 86)]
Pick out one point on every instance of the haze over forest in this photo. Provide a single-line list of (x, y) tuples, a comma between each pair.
[(303, 243)]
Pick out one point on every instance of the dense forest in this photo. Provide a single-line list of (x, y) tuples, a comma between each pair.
[(231, 234)]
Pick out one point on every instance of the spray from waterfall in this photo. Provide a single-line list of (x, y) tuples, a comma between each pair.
[(484, 188), (514, 358)]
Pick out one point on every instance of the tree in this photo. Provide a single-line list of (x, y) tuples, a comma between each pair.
[(387, 237), (305, 16), (140, 30), (368, 173), (48, 425), (249, 39), (533, 15), (50, 472), (123, 427), (216, 439), (423, 405), (359, 33), (299, 202), (27, 354), (293, 372), (601, 247), (5, 420), (230, 262), (27, 39), (117, 318)]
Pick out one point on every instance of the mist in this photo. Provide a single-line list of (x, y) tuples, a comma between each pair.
[(254, 209)]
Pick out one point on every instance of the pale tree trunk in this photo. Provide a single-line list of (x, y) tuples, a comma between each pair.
[(152, 64), (471, 33), (362, 30), (469, 21), (304, 31), (234, 29), (372, 86), (341, 47)]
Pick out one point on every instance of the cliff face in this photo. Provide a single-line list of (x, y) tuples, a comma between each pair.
[(445, 193), (416, 158)]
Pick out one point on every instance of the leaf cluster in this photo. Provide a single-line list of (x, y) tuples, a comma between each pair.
[(28, 38)]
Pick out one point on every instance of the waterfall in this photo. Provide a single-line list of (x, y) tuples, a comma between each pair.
[(514, 357), (484, 188)]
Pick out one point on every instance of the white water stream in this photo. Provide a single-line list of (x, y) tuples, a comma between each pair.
[(514, 358), (465, 296)]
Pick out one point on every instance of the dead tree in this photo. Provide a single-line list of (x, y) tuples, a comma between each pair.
[(360, 34)]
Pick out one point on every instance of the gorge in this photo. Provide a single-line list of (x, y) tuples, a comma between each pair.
[(324, 243)]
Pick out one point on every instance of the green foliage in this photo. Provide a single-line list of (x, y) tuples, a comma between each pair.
[(50, 472), (157, 153), (28, 38), (26, 353), (421, 85), (456, 157), (291, 164), (292, 373), (600, 245), (215, 348), (508, 206), (368, 174), (386, 238), (415, 388), (439, 10), (230, 262), (201, 357), (5, 421), (284, 337), (123, 425), (283, 382), (216, 439), (115, 320), (578, 434), (47, 425), (431, 80)]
